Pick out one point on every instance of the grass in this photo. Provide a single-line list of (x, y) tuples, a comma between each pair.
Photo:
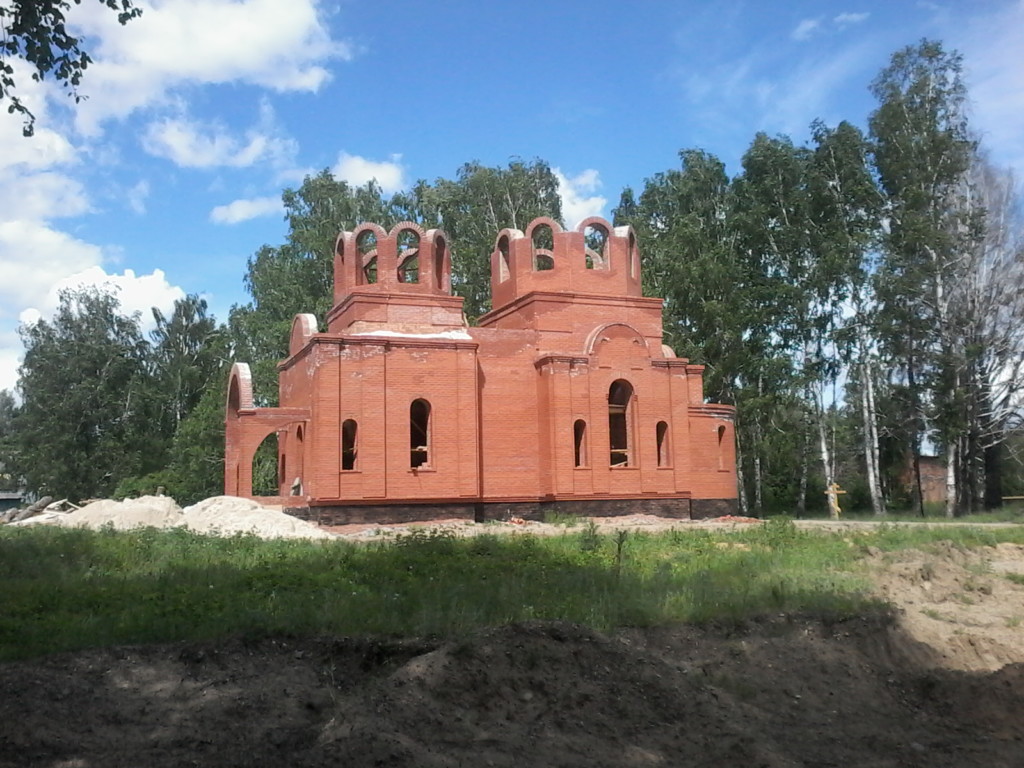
[(66, 589)]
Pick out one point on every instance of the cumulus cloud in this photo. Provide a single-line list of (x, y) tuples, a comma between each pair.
[(805, 29), (243, 210), (136, 293), (191, 144), (578, 198), (356, 170), (278, 44)]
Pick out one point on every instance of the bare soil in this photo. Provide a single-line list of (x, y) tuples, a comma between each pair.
[(936, 683)]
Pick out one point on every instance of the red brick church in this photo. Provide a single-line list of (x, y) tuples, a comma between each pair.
[(562, 398)]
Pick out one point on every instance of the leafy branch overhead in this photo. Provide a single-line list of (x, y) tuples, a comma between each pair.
[(35, 32)]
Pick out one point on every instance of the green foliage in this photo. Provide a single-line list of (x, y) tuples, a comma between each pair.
[(70, 588), (85, 418), (35, 31)]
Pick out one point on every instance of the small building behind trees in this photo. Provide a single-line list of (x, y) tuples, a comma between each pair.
[(563, 398)]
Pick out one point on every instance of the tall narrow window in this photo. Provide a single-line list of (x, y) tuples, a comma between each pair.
[(721, 447), (543, 248), (349, 444), (620, 398), (419, 434), (595, 241), (579, 439), (664, 449), (408, 256), (366, 245)]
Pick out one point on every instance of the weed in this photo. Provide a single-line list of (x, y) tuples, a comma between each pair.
[(1016, 578)]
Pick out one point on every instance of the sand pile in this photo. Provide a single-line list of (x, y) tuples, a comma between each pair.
[(217, 516), (228, 515), (145, 511)]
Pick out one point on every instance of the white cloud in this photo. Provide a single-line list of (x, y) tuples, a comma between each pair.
[(805, 29), (846, 19), (578, 200), (356, 170), (136, 293), (243, 210), (137, 197), (190, 144), (277, 44)]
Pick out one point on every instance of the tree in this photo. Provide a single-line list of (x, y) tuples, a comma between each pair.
[(922, 152), (85, 421), (35, 31), (188, 355)]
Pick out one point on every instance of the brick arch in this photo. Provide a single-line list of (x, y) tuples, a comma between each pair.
[(614, 332), (240, 389), (441, 256), (303, 328), (383, 269), (556, 228), (397, 229), (592, 221), (544, 255), (602, 261)]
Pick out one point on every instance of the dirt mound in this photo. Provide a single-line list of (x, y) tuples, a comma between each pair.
[(228, 515), (777, 694), (965, 604)]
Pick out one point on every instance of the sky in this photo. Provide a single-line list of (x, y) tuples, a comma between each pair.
[(167, 177)]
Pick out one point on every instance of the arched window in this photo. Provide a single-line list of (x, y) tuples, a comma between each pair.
[(579, 439), (366, 245), (408, 256), (664, 448), (721, 447), (440, 251), (349, 444), (503, 267), (419, 434), (543, 248), (595, 242), (620, 427)]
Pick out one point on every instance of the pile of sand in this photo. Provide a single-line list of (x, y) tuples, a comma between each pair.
[(217, 516), (228, 515), (145, 511)]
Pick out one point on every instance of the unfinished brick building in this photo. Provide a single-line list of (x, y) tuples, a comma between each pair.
[(563, 397)]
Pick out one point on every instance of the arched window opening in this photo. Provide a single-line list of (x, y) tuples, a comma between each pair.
[(440, 252), (721, 447), (595, 243), (543, 248), (620, 400), (366, 245), (664, 449), (408, 256), (269, 471), (579, 439), (634, 257), (349, 444), (504, 271), (419, 434)]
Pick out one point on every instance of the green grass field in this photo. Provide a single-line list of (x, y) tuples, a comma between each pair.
[(66, 589)]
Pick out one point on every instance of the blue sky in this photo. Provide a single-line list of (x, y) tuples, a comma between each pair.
[(168, 177)]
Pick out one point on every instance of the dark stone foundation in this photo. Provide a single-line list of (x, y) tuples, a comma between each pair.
[(389, 514)]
